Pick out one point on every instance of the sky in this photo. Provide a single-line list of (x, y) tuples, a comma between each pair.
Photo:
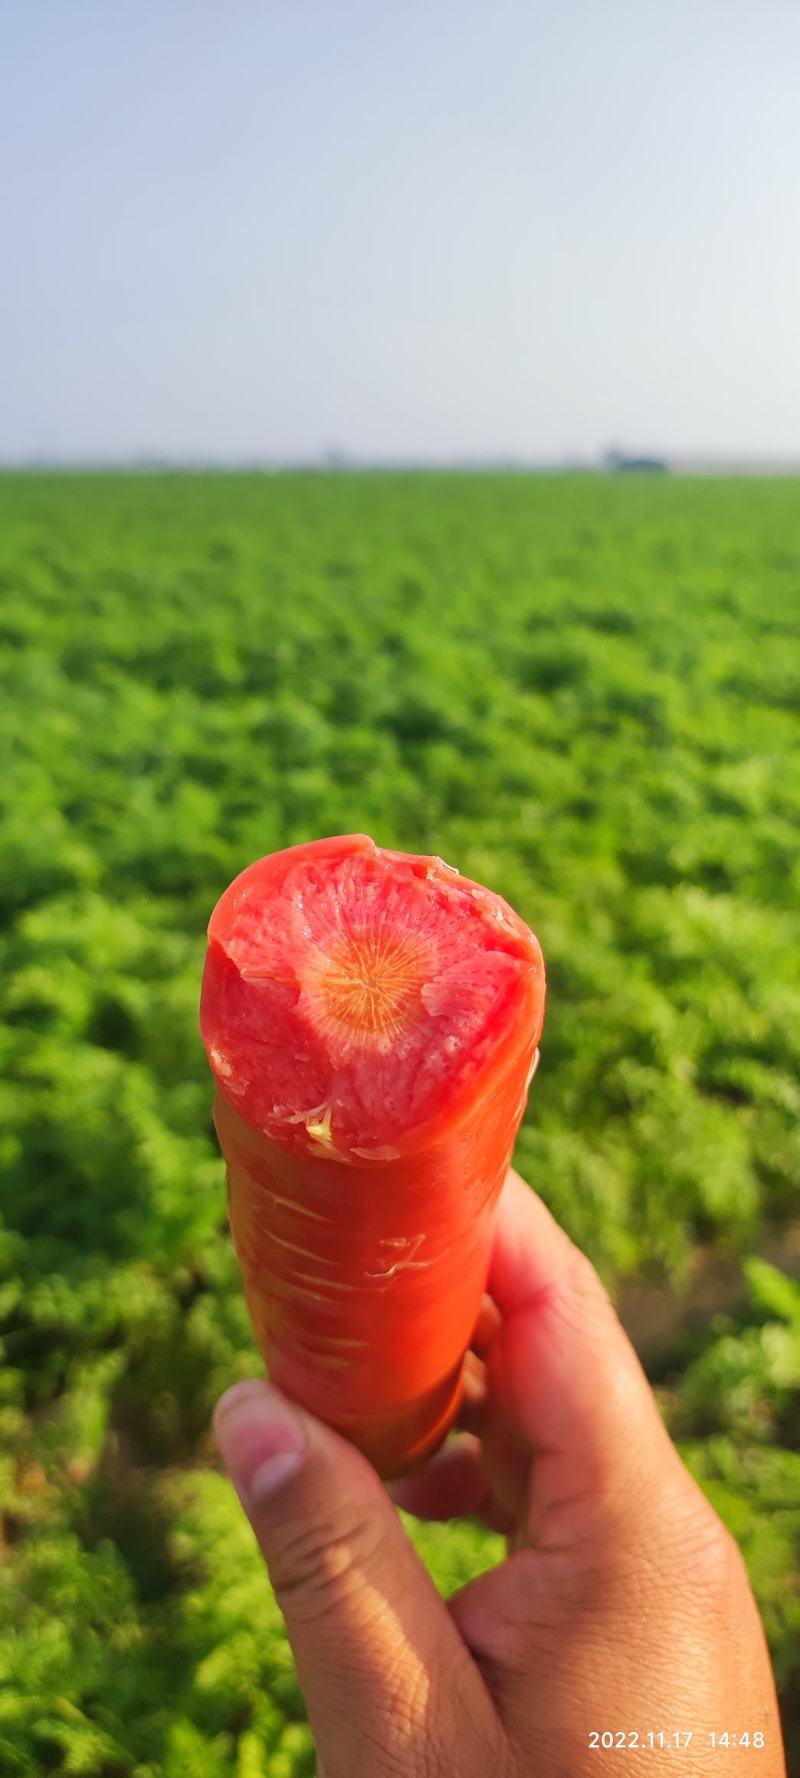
[(399, 229)]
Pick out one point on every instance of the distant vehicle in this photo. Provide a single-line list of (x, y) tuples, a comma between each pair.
[(617, 463)]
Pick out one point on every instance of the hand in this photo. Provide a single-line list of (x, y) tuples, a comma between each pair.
[(623, 1605)]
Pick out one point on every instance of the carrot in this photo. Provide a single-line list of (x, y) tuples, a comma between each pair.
[(372, 1021)]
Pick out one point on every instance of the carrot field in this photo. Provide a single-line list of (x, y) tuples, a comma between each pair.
[(581, 690)]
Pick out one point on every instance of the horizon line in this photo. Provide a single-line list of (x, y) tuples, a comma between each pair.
[(157, 463), (340, 461)]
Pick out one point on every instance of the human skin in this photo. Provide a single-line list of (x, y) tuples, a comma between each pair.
[(622, 1606)]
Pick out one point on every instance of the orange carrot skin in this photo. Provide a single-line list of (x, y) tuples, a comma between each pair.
[(364, 1273), (364, 1283)]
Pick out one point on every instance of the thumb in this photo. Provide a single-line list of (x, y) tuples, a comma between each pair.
[(377, 1653)]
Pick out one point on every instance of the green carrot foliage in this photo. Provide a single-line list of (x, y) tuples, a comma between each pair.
[(581, 690)]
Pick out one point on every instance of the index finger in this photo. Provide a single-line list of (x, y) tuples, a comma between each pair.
[(565, 1383), (530, 1250)]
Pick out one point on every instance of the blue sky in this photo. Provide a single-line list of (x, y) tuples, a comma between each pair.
[(405, 230)]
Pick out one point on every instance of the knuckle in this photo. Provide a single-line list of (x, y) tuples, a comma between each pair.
[(317, 1562), (712, 1560), (692, 1559), (583, 1299)]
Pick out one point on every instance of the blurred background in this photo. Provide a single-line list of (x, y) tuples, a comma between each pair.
[(399, 431)]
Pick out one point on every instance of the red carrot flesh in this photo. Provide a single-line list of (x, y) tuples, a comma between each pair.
[(372, 1021)]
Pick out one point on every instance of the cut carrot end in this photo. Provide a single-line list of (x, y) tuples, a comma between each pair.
[(353, 996)]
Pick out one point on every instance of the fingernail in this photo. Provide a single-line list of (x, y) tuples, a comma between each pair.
[(262, 1437)]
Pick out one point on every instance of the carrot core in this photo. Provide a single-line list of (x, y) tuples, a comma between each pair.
[(367, 987)]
